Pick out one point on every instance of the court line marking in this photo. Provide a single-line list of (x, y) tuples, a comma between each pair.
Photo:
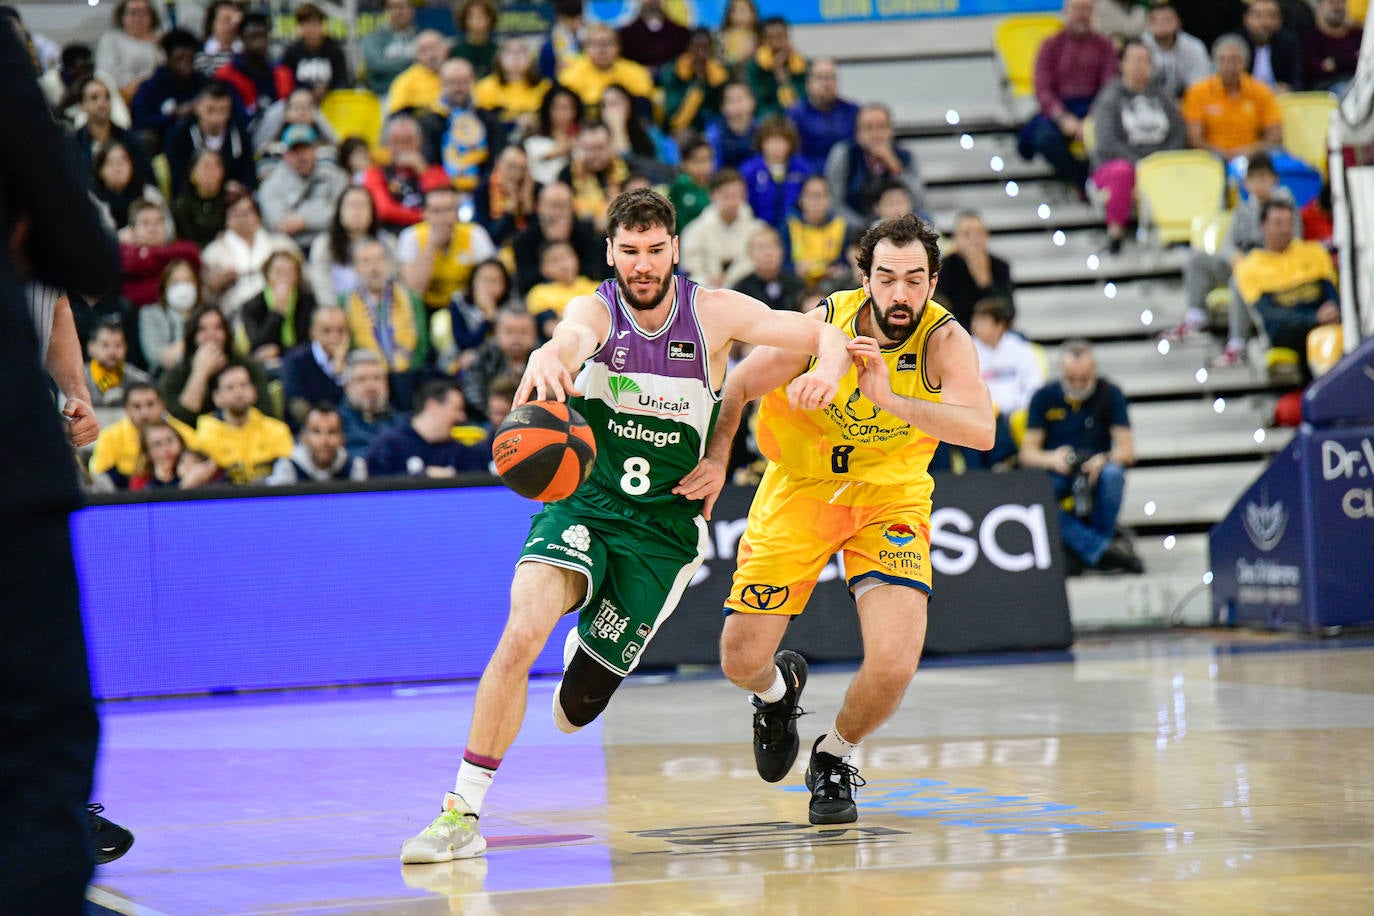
[(821, 871), (119, 904)]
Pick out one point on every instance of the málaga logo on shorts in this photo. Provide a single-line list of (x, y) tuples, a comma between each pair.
[(682, 349), (899, 535), (908, 362), (764, 597)]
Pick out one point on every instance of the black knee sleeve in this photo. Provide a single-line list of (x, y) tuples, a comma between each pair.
[(587, 688)]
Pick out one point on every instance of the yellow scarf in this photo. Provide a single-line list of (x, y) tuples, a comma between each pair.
[(105, 379), (395, 339)]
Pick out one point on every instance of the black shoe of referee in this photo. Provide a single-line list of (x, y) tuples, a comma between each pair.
[(775, 724), (108, 840)]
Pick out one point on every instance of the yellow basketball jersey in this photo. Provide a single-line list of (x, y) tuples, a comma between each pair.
[(852, 439)]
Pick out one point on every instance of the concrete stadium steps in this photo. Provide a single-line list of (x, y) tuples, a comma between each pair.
[(1030, 194), (1142, 371), (944, 160), (1014, 215), (1037, 261), (1055, 313), (1172, 575), (1170, 590), (938, 38), (1186, 494), (921, 93), (1185, 431)]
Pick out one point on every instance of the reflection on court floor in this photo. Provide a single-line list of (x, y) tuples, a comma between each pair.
[(1214, 773)]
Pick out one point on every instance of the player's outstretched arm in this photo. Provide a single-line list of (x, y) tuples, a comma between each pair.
[(552, 367), (744, 318), (964, 416), (757, 374)]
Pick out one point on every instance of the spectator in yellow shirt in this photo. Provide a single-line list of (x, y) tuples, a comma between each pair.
[(418, 86), (240, 439), (117, 450), (514, 89), (561, 282), (437, 255), (600, 66)]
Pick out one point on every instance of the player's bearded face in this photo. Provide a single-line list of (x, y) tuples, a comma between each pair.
[(896, 318), (645, 275)]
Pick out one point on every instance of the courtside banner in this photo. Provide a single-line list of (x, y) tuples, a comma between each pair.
[(998, 578), (396, 581), (808, 12)]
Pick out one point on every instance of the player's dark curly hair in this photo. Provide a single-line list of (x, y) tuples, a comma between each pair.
[(639, 210), (901, 231)]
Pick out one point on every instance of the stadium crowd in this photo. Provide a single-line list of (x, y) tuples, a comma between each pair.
[(301, 301)]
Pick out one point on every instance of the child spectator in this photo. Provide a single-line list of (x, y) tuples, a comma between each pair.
[(107, 373), (774, 177), (148, 253), (815, 235), (770, 282), (165, 461), (691, 190), (561, 282)]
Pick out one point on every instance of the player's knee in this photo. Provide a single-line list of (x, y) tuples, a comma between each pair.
[(521, 643), (742, 660), (890, 674), (585, 691)]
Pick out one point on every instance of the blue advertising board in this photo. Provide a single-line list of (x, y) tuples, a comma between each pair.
[(361, 585), (810, 12), (1297, 548)]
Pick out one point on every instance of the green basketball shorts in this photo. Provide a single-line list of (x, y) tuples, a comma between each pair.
[(637, 566)]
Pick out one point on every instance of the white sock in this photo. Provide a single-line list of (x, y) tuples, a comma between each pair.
[(777, 691), (472, 784), (836, 746), (1196, 317)]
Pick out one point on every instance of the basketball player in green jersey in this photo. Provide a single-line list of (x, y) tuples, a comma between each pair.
[(643, 359)]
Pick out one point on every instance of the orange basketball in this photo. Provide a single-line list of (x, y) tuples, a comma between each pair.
[(544, 450)]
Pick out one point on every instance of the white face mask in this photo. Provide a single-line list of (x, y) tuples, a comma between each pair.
[(181, 296)]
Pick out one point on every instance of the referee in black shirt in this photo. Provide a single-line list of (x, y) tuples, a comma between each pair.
[(49, 231)]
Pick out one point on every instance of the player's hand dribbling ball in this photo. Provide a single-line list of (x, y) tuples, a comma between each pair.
[(544, 450)]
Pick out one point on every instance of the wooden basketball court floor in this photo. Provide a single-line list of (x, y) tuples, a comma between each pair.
[(1202, 772)]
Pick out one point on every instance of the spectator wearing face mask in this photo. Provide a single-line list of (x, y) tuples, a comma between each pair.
[(162, 325)]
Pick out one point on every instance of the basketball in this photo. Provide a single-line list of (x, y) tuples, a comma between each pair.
[(544, 450)]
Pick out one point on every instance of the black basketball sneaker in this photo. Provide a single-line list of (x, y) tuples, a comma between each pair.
[(832, 782), (108, 840), (775, 724)]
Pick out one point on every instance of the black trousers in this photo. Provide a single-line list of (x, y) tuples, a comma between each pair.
[(48, 725)]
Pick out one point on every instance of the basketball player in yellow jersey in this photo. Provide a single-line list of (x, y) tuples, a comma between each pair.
[(851, 477)]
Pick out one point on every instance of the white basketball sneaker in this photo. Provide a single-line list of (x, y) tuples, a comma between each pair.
[(451, 835)]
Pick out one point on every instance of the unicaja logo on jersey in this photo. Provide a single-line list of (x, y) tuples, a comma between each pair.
[(623, 387), (620, 384), (899, 535)]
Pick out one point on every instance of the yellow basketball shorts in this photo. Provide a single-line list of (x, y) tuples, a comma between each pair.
[(797, 523)]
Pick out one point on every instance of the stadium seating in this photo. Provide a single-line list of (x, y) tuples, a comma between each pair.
[(1176, 186), (354, 113), (1017, 41), (1306, 119)]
